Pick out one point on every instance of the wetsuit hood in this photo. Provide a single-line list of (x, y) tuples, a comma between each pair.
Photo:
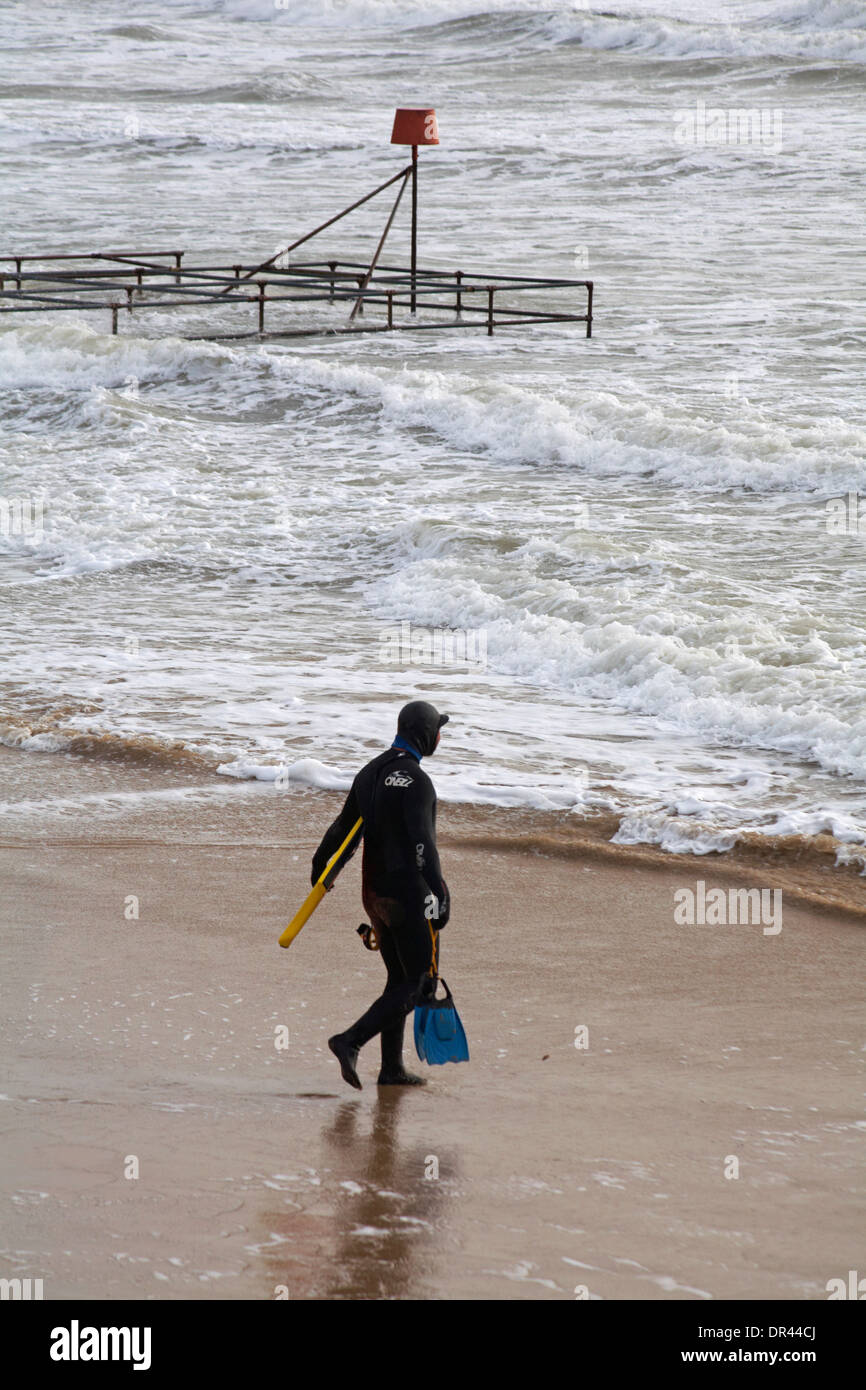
[(419, 723)]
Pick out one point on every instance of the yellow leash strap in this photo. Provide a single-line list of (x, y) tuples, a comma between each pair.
[(434, 968)]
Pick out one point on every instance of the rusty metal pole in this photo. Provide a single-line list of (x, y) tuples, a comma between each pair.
[(266, 265), (261, 306), (114, 308), (365, 280), (177, 256), (414, 126), (589, 308), (333, 265), (459, 295), (490, 293), (390, 309), (414, 262)]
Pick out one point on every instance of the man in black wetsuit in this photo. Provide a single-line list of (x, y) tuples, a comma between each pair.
[(403, 890)]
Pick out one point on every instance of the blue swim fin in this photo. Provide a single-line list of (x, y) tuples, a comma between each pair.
[(439, 1034)]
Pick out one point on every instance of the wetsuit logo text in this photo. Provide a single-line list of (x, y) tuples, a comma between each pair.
[(398, 779)]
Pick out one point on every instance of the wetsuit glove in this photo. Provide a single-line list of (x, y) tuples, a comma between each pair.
[(443, 903), (444, 908)]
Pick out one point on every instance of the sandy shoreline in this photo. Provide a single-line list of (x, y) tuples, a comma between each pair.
[(115, 773), (559, 1167)]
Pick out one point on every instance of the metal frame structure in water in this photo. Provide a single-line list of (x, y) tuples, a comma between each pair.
[(133, 281), (130, 282)]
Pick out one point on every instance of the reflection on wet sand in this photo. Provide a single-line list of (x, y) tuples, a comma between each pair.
[(372, 1228)]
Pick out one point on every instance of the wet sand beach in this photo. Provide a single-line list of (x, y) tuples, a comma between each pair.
[(609, 517), (541, 1170)]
